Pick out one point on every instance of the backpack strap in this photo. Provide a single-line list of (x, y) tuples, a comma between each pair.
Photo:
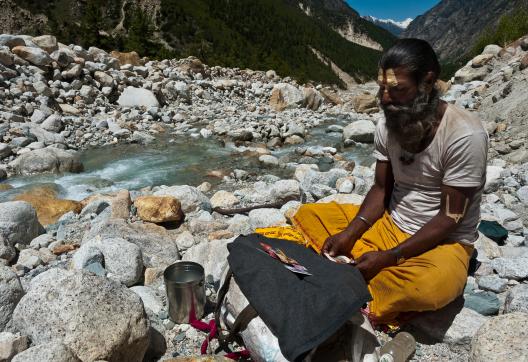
[(241, 321)]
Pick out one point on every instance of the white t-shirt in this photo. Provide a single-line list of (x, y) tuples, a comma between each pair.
[(456, 157)]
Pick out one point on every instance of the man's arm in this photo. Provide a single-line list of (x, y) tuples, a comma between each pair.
[(453, 207), (371, 209)]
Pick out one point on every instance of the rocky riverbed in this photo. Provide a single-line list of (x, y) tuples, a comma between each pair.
[(81, 278)]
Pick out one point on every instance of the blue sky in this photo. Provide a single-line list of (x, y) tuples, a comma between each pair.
[(392, 9)]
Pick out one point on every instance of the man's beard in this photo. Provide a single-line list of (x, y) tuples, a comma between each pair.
[(412, 124)]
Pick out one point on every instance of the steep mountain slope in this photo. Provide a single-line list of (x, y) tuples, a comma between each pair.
[(299, 38), (453, 26), (394, 27)]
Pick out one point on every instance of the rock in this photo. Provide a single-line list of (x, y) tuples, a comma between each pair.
[(269, 160), (11, 344), (10, 293), (469, 74), (35, 56), (492, 49), (5, 151), (492, 283), (53, 124), (120, 204), (485, 303), (46, 137), (158, 248), (46, 42), (261, 218), (29, 258), (69, 306), (312, 98), (11, 41), (502, 338), (330, 96), (73, 72), (212, 256), (511, 268), (42, 88), (224, 199), (151, 301), (18, 225), (190, 198), (185, 240), (481, 60), (451, 325), (137, 97), (158, 209), (522, 194), (104, 79), (360, 131), (493, 178), (126, 58), (49, 209), (87, 255), (517, 299), (49, 159), (123, 260), (239, 225), (365, 103), (285, 190), (285, 96), (47, 352), (41, 241)]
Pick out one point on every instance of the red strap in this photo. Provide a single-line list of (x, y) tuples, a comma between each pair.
[(211, 329)]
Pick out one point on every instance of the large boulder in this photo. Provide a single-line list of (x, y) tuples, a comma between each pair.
[(224, 199), (261, 218), (469, 74), (158, 247), (517, 299), (365, 103), (121, 259), (49, 209), (18, 224), (10, 293), (511, 268), (137, 97), (312, 98), (48, 159), (502, 338), (360, 131), (158, 209), (46, 42), (285, 96), (35, 56), (212, 256), (96, 318), (11, 344), (126, 58), (191, 198), (47, 352)]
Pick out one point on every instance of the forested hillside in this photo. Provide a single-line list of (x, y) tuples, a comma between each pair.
[(256, 34)]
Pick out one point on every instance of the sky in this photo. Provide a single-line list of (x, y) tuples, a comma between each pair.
[(392, 9)]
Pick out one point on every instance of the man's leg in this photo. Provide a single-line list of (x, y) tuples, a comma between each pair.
[(426, 282)]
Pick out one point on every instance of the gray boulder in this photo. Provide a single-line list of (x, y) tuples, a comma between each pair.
[(261, 218), (5, 151), (18, 224), (511, 268), (35, 56), (158, 247), (151, 301), (122, 260), (47, 352), (360, 131), (46, 137), (212, 256), (46, 42), (137, 97), (10, 293), (96, 318), (48, 159), (469, 74), (191, 198), (11, 344), (53, 124), (502, 338), (517, 299)]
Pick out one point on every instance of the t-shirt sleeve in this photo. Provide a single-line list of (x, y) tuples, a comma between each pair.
[(465, 161), (381, 152)]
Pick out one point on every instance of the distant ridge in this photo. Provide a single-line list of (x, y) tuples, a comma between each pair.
[(395, 27)]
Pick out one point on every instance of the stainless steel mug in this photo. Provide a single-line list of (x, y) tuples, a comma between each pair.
[(185, 286)]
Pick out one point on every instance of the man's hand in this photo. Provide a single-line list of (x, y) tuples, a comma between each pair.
[(371, 263), (339, 244)]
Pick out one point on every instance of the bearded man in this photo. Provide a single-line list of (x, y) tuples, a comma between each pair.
[(412, 238)]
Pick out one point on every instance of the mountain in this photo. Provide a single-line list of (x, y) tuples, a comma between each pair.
[(395, 27), (311, 40), (454, 26)]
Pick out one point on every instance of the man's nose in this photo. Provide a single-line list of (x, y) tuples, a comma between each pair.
[(385, 97)]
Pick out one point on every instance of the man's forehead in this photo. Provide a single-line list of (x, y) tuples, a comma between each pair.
[(389, 75)]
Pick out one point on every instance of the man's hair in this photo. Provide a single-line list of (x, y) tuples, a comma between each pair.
[(416, 55)]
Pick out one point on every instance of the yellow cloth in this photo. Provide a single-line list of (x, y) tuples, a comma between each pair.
[(423, 283)]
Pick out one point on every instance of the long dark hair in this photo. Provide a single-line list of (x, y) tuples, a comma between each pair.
[(416, 55)]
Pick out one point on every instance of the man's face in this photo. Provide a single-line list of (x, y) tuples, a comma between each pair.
[(410, 108)]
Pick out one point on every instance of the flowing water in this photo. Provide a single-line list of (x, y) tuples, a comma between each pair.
[(168, 162)]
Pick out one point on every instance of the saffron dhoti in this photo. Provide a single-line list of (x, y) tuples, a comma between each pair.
[(422, 283)]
